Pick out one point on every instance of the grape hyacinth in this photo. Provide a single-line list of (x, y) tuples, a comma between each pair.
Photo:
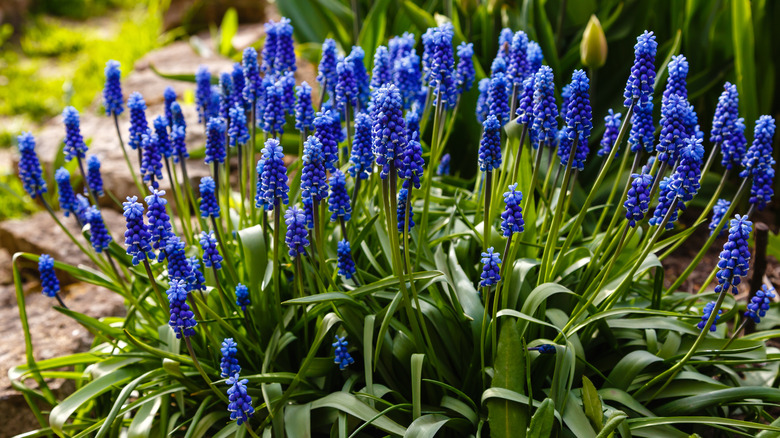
[(169, 97), (761, 191), (525, 104), (706, 313), (512, 216), (578, 121), (138, 123), (498, 98), (672, 129), (326, 71), (178, 144), (273, 114), (272, 189), (74, 142), (238, 132), (82, 205), (482, 107), (411, 163), (735, 257), (759, 304), (734, 148), (314, 182), (284, 60), (178, 266), (718, 211), (346, 86), (203, 93), (490, 145), (296, 237), (226, 94), (439, 64), (356, 57), (209, 207), (137, 235), (639, 86), (504, 41), (642, 135), (197, 280), (382, 73), (669, 188), (388, 133), (159, 222), (338, 201), (113, 100), (160, 124), (400, 213), (676, 83), (759, 156), (30, 167), (407, 76), (726, 114), (342, 357), (49, 282), (444, 165), (240, 402), (99, 237), (67, 197), (229, 362), (252, 79), (211, 256), (239, 83), (612, 127), (491, 268), (545, 110), (688, 172), (345, 264), (535, 57), (304, 111), (464, 76), (638, 199), (215, 141), (182, 319), (177, 118), (518, 58), (242, 297), (151, 162), (362, 158)]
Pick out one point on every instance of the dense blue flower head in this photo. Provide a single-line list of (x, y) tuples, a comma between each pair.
[(362, 158), (642, 135), (400, 211), (444, 165), (673, 131), (285, 51), (226, 94), (491, 266), (270, 47), (314, 182), (343, 359), (535, 57), (287, 81), (326, 127), (688, 172), (82, 205), (49, 282), (99, 236), (346, 85), (239, 83), (178, 143), (759, 156), (211, 257), (113, 100), (345, 263), (706, 313), (440, 66), (612, 127), (272, 187), (169, 97), (273, 115), (512, 216), (67, 197), (718, 212), (326, 71), (213, 107), (638, 199), (182, 319), (667, 198), (296, 237), (545, 109), (215, 140), (356, 57), (735, 257), (482, 106), (240, 402), (498, 98), (677, 81), (74, 143), (401, 46), (465, 73), (151, 162), (179, 267), (177, 117), (238, 132), (382, 72), (229, 362), (525, 103), (726, 114), (159, 222), (498, 66), (242, 296), (160, 124), (640, 83), (504, 42), (304, 111), (411, 163), (407, 76), (197, 280), (203, 93), (761, 190), (759, 304), (252, 78), (209, 207), (137, 235), (578, 112), (518, 58), (734, 147), (490, 145), (29, 166), (389, 131), (338, 201)]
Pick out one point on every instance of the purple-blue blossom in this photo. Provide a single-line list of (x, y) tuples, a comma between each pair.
[(30, 167), (113, 100)]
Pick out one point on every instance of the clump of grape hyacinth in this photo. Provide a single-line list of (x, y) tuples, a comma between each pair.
[(706, 313), (297, 235), (490, 145), (545, 110), (411, 163), (612, 127), (138, 123), (672, 129), (229, 362), (242, 296), (512, 216), (734, 148), (759, 304), (273, 114), (388, 133), (178, 266), (160, 124), (735, 257), (137, 235), (30, 167), (491, 267), (74, 142), (638, 199), (113, 100), (209, 207), (98, 234), (325, 132), (338, 201), (211, 256), (346, 86), (345, 264), (272, 187), (240, 402), (382, 72), (481, 110), (639, 86), (439, 62), (676, 83), (197, 279), (342, 357), (49, 282), (518, 58), (67, 197), (252, 79)]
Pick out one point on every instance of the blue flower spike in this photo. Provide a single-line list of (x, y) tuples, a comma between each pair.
[(759, 304), (113, 100), (211, 256), (240, 402), (30, 171), (67, 197), (512, 217), (272, 190), (229, 362), (137, 236), (342, 357), (338, 201), (242, 296), (345, 264), (706, 313), (297, 233), (639, 87), (735, 257), (74, 142), (209, 207), (491, 267), (49, 282), (99, 236), (612, 127)]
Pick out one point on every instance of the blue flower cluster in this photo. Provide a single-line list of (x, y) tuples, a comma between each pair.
[(242, 296), (759, 304), (726, 114), (159, 222), (49, 282), (239, 401), (400, 211), (345, 263), (638, 199), (639, 86), (74, 142), (490, 145), (444, 165), (512, 216), (209, 207), (389, 131), (735, 257), (326, 71), (362, 158), (296, 237), (112, 91), (138, 123), (465, 69), (314, 183), (304, 111), (151, 163), (67, 198), (342, 357), (718, 211), (612, 128), (203, 99), (642, 135), (545, 110), (137, 235), (30, 167), (491, 267), (229, 362), (706, 313), (98, 234), (211, 256), (498, 98), (272, 189), (338, 201)]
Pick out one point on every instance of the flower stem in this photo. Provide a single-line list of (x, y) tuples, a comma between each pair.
[(202, 373), (153, 281)]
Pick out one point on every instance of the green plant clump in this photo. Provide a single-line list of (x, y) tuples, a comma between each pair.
[(512, 304)]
